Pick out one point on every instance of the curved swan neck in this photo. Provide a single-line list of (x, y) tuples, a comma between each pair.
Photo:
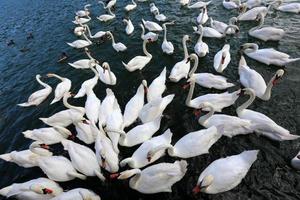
[(204, 118), (145, 49), (246, 104), (66, 104), (110, 12), (37, 149), (200, 29), (38, 79), (133, 2), (88, 29), (191, 92), (56, 76), (227, 28), (95, 72), (196, 63), (112, 37), (268, 91), (89, 55), (261, 23), (186, 54), (86, 38), (165, 32), (143, 31)]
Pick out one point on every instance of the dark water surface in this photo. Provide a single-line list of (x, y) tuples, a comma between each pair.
[(271, 176)]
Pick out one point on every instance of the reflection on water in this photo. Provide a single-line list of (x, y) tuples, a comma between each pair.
[(271, 177)]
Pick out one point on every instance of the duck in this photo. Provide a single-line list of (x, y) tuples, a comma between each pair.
[(190, 145), (150, 36), (90, 83), (66, 117), (231, 4), (160, 176), (199, 4), (208, 80), (201, 48), (61, 88), (79, 44), (119, 47), (129, 26), (139, 62), (106, 107), (219, 101), (252, 14), (140, 133), (139, 157), (81, 20), (155, 108), (85, 12), (232, 125), (221, 26), (78, 194), (85, 63), (182, 68), (39, 96), (225, 174), (130, 7), (106, 75), (167, 47), (39, 189), (202, 17), (266, 33), (295, 162), (92, 106), (222, 58), (134, 105), (153, 8), (293, 7), (49, 135), (157, 87), (83, 159), (160, 17), (107, 17), (267, 56), (99, 34), (152, 26), (262, 124), (252, 79)]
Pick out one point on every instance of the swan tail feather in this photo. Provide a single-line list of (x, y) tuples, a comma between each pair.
[(70, 44), (5, 191), (125, 161), (54, 101), (100, 175), (126, 66), (77, 175), (6, 157), (27, 134), (293, 60), (26, 104)]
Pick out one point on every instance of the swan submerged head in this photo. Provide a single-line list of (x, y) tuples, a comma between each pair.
[(41, 189), (203, 185)]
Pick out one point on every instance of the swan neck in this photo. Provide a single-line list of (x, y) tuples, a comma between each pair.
[(112, 38), (165, 32), (145, 49), (143, 31), (190, 94), (246, 104), (196, 63), (202, 120), (86, 38), (89, 31), (38, 79), (186, 54), (268, 92)]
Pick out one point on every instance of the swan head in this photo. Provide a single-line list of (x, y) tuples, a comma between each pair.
[(295, 162), (186, 38), (203, 185), (249, 47), (278, 76), (242, 7), (152, 4), (233, 20), (105, 66), (38, 188)]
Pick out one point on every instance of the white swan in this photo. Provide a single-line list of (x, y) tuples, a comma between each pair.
[(90, 83), (106, 75), (295, 162), (156, 178), (152, 26), (78, 194), (153, 8), (83, 159), (190, 145), (97, 35), (63, 87), (81, 20), (39, 96), (149, 36), (155, 108), (130, 7), (226, 173), (160, 17), (182, 68), (85, 12), (167, 47), (139, 157), (219, 101), (51, 135), (213, 33), (129, 26), (79, 30), (92, 106), (117, 46), (263, 124), (293, 7), (231, 125), (78, 44), (207, 80), (140, 133), (106, 107), (199, 4), (35, 189), (134, 105), (268, 56), (66, 117), (252, 3), (221, 26), (202, 17), (106, 17), (85, 63), (222, 58), (252, 14), (184, 2), (231, 4), (157, 87), (252, 79), (201, 48), (266, 33), (84, 131), (139, 62), (110, 4)]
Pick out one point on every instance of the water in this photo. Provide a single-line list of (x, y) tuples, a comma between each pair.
[(271, 176)]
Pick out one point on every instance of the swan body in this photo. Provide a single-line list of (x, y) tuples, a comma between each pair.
[(139, 157), (106, 75), (221, 26), (83, 159), (157, 87), (222, 58), (77, 194), (88, 84), (231, 125), (81, 20), (155, 108), (156, 178), (92, 106), (253, 3), (152, 26), (39, 96), (79, 44), (213, 33), (97, 35), (295, 162), (110, 4), (160, 17), (252, 14), (252, 79), (182, 68), (268, 56), (84, 64), (229, 5), (84, 132), (130, 7), (106, 107), (153, 8), (199, 4), (150, 36), (107, 17), (25, 158), (140, 133), (36, 189), (85, 12), (263, 124), (226, 173), (139, 62), (134, 106), (117, 46), (167, 47), (202, 17), (293, 7), (219, 101), (201, 48), (61, 88), (129, 26)]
